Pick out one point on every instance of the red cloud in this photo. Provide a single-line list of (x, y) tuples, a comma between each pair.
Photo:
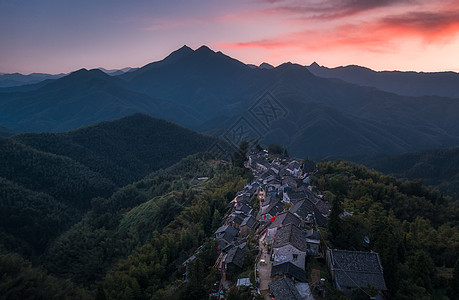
[(379, 35)]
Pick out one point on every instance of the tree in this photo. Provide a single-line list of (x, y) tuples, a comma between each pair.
[(216, 220), (334, 222), (455, 280), (240, 154), (275, 149)]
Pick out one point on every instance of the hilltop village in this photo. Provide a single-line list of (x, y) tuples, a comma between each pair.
[(272, 242)]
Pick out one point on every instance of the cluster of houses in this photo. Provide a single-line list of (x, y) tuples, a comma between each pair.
[(232, 236), (281, 210)]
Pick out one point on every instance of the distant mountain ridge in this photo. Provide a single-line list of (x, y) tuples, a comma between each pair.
[(17, 79), (416, 84), (207, 90)]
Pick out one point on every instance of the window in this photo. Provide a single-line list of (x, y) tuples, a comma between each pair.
[(295, 256)]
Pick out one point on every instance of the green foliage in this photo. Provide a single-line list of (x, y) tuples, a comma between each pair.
[(142, 145), (439, 168), (61, 177), (132, 216), (240, 155), (156, 264), (29, 219), (235, 294), (412, 227), (276, 149), (19, 280)]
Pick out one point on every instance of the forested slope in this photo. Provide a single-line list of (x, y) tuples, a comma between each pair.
[(411, 226), (123, 150), (439, 168)]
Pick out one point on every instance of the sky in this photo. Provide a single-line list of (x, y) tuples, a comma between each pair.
[(54, 36)]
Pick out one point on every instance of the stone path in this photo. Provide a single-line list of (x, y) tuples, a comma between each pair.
[(264, 269)]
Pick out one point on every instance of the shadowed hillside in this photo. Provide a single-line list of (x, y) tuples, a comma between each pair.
[(439, 168), (124, 150)]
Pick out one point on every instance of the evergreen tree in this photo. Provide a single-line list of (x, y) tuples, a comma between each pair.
[(239, 156), (334, 223)]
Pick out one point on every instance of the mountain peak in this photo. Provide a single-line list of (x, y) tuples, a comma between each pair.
[(265, 65), (80, 71), (314, 65), (204, 49), (179, 53), (185, 48)]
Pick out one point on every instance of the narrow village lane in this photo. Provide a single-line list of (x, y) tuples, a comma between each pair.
[(264, 268)]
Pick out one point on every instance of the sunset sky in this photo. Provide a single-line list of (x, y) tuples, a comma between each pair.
[(54, 36)]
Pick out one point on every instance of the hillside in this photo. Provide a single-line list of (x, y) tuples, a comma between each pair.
[(5, 132), (411, 226), (59, 176), (403, 83), (79, 99), (49, 181), (138, 214), (30, 219), (210, 91), (134, 242), (439, 168), (123, 150)]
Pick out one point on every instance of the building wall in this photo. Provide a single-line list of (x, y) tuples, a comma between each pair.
[(313, 247)]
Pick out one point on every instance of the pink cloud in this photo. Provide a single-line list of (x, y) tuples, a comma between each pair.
[(331, 9), (378, 35)]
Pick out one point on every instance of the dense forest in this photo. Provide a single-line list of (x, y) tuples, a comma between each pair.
[(411, 226), (123, 150), (131, 243), (69, 231), (6, 131), (439, 168), (48, 182)]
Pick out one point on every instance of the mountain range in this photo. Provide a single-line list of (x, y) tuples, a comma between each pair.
[(403, 83), (214, 93), (17, 79)]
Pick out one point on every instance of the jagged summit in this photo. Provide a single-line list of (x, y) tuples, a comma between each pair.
[(314, 65), (204, 48), (265, 65)]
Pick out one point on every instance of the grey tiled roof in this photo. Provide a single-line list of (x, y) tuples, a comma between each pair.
[(274, 208), (297, 195), (249, 221), (285, 218), (246, 208), (358, 279), (237, 218), (287, 268), (284, 289), (243, 199), (305, 207), (354, 268), (235, 256), (290, 234), (226, 233)]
